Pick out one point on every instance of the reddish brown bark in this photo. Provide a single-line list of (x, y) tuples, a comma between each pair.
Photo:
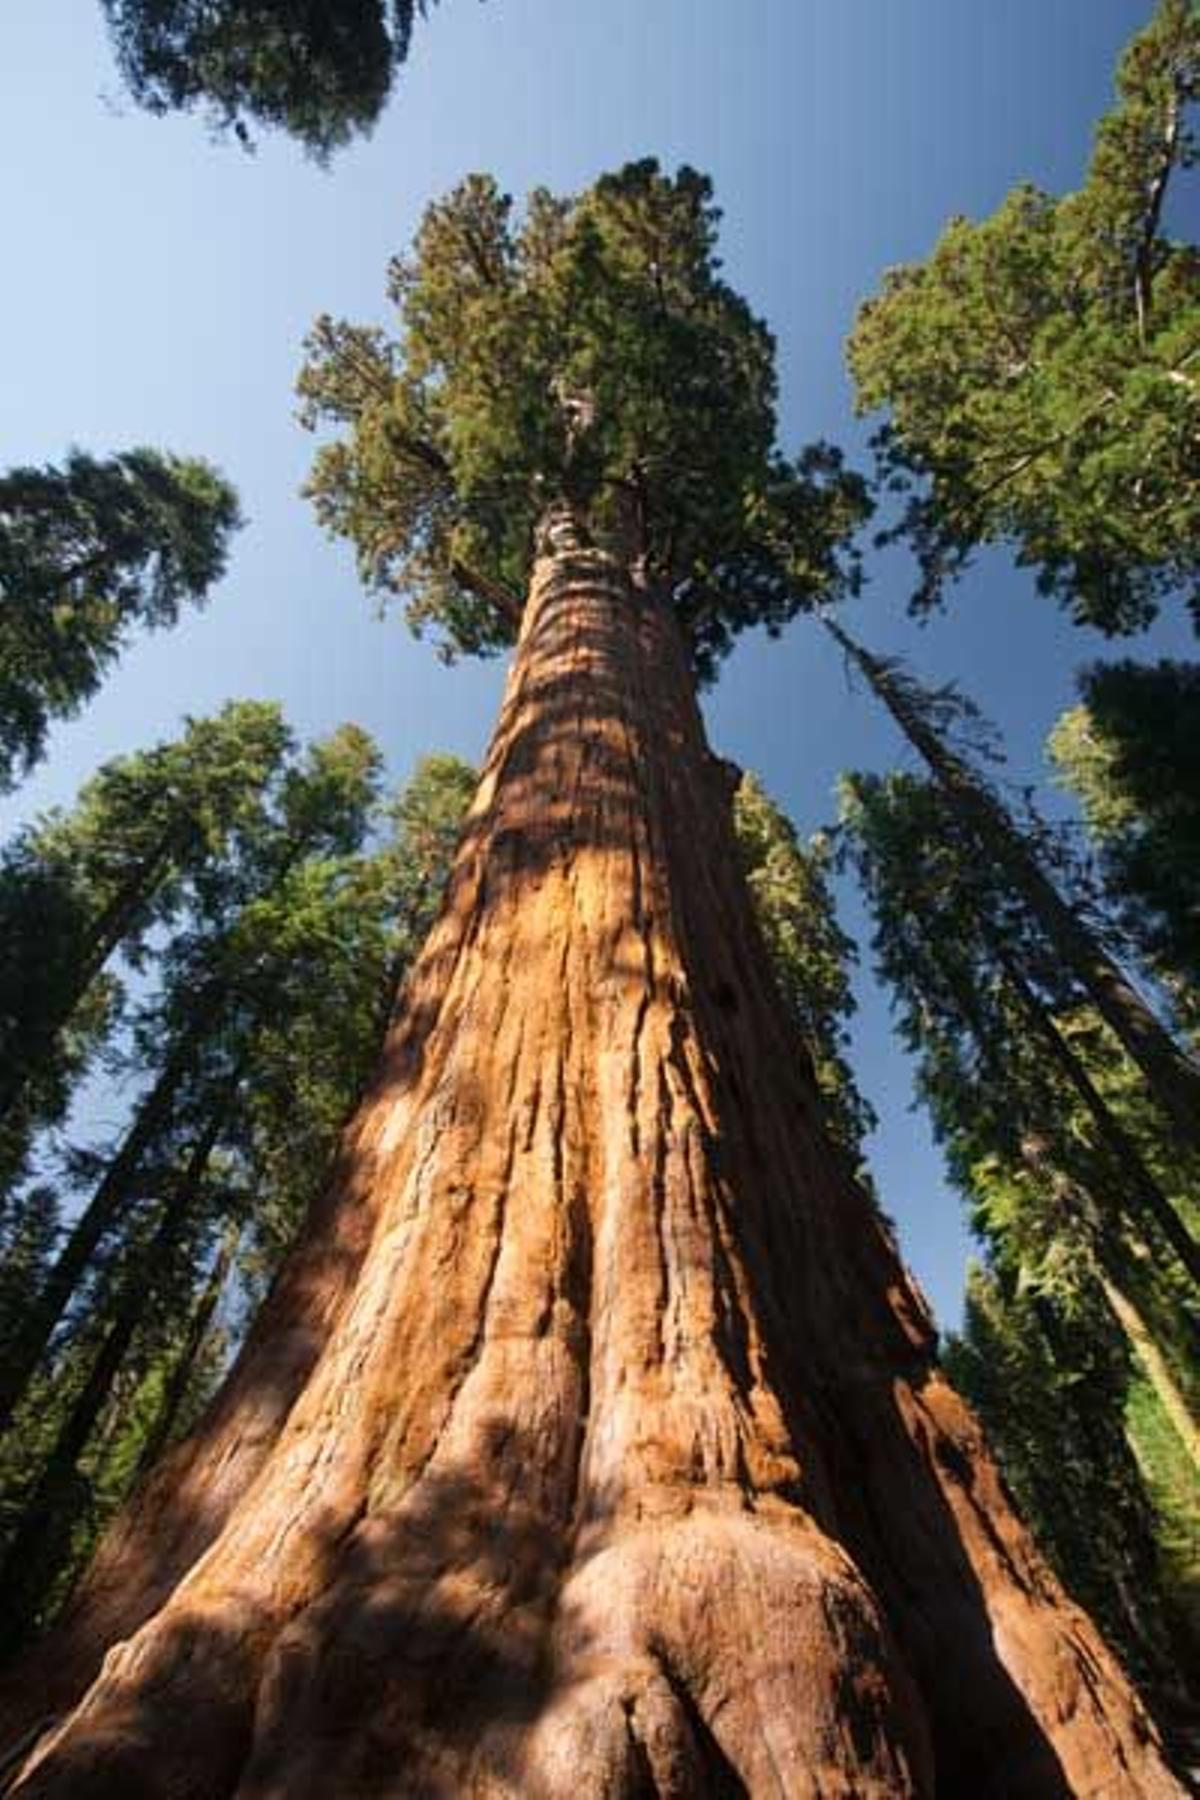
[(591, 1445)]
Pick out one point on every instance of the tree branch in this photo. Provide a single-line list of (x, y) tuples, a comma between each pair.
[(1142, 268), (493, 593), (420, 450)]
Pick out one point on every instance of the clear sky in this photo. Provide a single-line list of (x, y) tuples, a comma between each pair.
[(158, 285)]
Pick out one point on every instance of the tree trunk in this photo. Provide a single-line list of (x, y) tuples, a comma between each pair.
[(617, 1463), (1141, 1198), (124, 910), (42, 1535), (1149, 1202), (183, 1370), (115, 921), (98, 1218), (1171, 1077), (1107, 1255), (1099, 1219), (1132, 1570), (1154, 1364)]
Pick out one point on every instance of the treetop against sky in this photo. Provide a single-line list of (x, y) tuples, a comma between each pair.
[(587, 354)]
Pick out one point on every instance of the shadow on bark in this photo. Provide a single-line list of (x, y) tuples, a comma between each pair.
[(429, 1633), (902, 1532)]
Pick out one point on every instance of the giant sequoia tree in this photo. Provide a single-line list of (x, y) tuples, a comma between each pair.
[(591, 1440)]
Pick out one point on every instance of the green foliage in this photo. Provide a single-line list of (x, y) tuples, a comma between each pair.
[(265, 980), (1170, 1479), (79, 886), (29, 1229), (1080, 1283), (1131, 753), (810, 953), (587, 352), (333, 944), (1041, 369), (87, 1418), (88, 552), (999, 1027), (1050, 1379), (147, 823), (424, 825), (50, 1031), (318, 69)]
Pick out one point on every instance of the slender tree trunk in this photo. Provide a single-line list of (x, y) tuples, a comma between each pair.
[(1132, 1572), (1097, 1214), (183, 1370), (1171, 1076), (130, 901), (1099, 1219), (1143, 1190), (99, 1217), (1126, 1314), (123, 911), (49, 1514), (36, 1547), (617, 1462), (113, 924), (1154, 1364)]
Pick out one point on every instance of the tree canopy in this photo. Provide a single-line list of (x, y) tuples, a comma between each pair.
[(587, 351), (88, 551), (318, 69), (1041, 369)]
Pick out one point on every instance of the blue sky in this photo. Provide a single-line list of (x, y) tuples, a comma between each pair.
[(159, 285)]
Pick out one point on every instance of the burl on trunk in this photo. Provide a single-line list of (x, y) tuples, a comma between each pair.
[(591, 1444)]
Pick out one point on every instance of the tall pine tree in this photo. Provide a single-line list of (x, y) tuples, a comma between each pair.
[(1170, 1072), (1051, 1144), (79, 887)]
